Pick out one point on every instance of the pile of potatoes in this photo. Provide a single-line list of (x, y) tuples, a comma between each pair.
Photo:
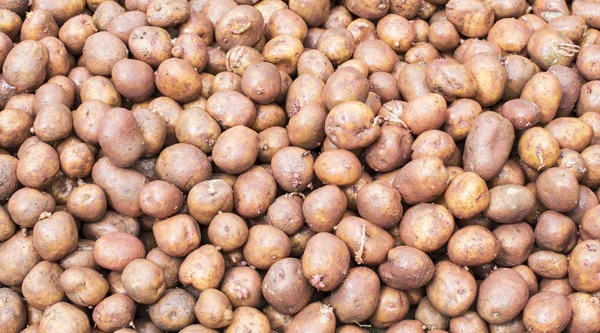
[(300, 166)]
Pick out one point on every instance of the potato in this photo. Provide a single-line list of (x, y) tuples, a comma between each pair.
[(151, 45), (408, 326), (451, 282), (583, 309), (13, 314), (465, 86), (338, 167), (111, 222), (406, 268), (517, 30), (390, 150), (144, 281), (262, 254), (117, 249), (353, 304), (353, 231), (377, 55), (548, 264), (221, 104), (213, 309), (323, 252), (557, 189), (380, 204), (502, 295), (515, 243), (347, 84), (38, 24), (25, 65), (443, 36), (253, 192), (55, 236), (583, 266), (547, 311), (547, 47), (40, 287), (588, 10), (83, 286), (177, 78), (169, 234), (100, 88), (283, 51), (64, 317), (183, 165), (227, 231), (11, 22), (467, 195), (241, 25), (473, 238), (197, 328), (421, 180), (538, 149), (519, 70), (481, 14), (114, 312), (203, 268), (434, 143), (430, 317), (509, 203), (324, 208), (587, 200), (160, 199), (241, 285), (227, 154), (121, 186), (247, 319), (207, 198), (556, 232), (165, 14), (26, 206), (122, 25), (490, 76)]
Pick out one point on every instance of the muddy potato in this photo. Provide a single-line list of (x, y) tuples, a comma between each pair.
[(26, 206), (25, 65), (421, 53), (292, 168), (207, 198), (511, 35), (559, 286), (114, 312), (380, 204), (584, 309), (467, 195), (241, 25), (213, 309), (397, 32), (351, 125), (11, 22), (522, 113), (481, 17), (571, 133), (515, 243), (111, 222), (195, 126), (117, 249), (23, 101), (122, 25), (261, 82), (169, 234), (421, 180), (588, 10), (548, 47), (306, 89), (100, 88), (227, 154), (59, 60), (587, 98), (306, 128), (426, 227), (286, 22), (55, 236), (144, 281), (490, 76), (453, 282), (53, 122), (325, 261), (38, 24), (378, 56), (265, 246), (571, 83), (160, 199), (216, 60), (227, 231), (324, 208), (305, 9), (519, 71), (391, 149), (557, 189), (40, 287), (177, 78), (253, 192), (473, 238), (556, 232), (162, 13), (545, 91), (18, 256), (285, 213), (200, 25), (183, 165), (240, 57), (338, 167), (393, 306), (385, 86), (7, 226), (283, 51), (315, 62), (509, 203), (538, 149), (203, 268), (13, 315), (367, 242), (102, 51), (247, 319), (51, 93), (547, 312), (583, 266), (64, 317), (502, 295), (465, 85), (443, 36), (83, 286), (231, 108), (151, 45), (434, 143), (587, 200), (352, 303), (345, 85), (430, 316), (285, 288), (133, 79)]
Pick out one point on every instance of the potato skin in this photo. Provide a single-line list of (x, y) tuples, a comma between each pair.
[(84, 286), (450, 279), (488, 144), (406, 268), (117, 249), (502, 295), (64, 317), (203, 268), (352, 303), (369, 251), (285, 288), (118, 127), (25, 65), (510, 203), (13, 314), (467, 195), (547, 311), (325, 261), (421, 180), (583, 266), (55, 236)]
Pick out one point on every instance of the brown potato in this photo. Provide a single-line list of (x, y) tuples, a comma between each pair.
[(426, 227), (369, 243), (434, 143), (538, 149), (203, 268), (253, 192), (241, 285), (151, 45), (122, 25), (241, 25), (443, 36), (283, 51), (144, 281), (377, 55), (11, 21), (557, 189), (13, 315), (227, 231), (26, 206), (55, 236), (323, 252), (390, 150), (454, 283), (338, 167), (183, 165), (305, 10), (38, 24), (62, 317), (261, 82), (285, 288), (515, 243), (265, 246), (133, 79), (160, 199), (407, 326), (584, 309), (105, 13), (588, 10), (40, 287), (249, 320), (170, 232), (490, 76), (352, 303), (583, 266), (227, 154), (511, 35), (18, 256), (285, 21), (481, 13), (117, 249), (464, 87), (421, 180), (380, 204), (547, 311), (83, 286), (502, 296), (25, 66), (548, 264), (293, 168), (207, 198), (7, 226), (473, 238), (177, 79), (430, 316), (467, 195), (541, 48), (510, 203), (213, 309), (221, 106), (346, 84), (519, 70), (53, 122), (195, 126), (111, 222), (121, 186), (165, 14), (324, 208), (124, 311)]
